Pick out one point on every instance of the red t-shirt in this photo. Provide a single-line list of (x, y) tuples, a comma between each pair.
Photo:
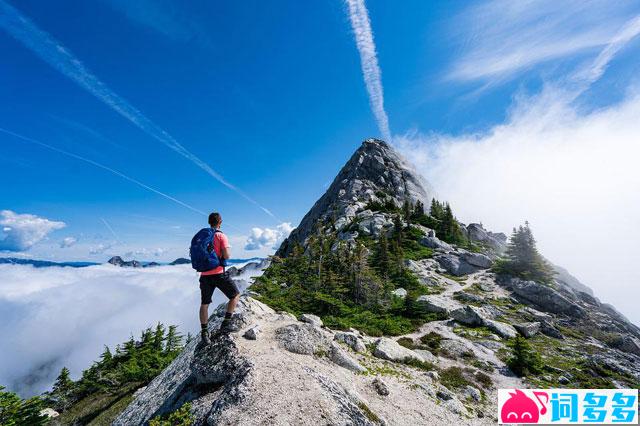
[(219, 241)]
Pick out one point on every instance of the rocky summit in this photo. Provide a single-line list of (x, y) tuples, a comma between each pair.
[(373, 173), (426, 340)]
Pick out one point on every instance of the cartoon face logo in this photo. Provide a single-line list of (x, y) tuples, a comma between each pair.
[(519, 408)]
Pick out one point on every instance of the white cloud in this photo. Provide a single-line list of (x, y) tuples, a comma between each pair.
[(267, 237), (157, 252), (100, 248), (572, 174), (55, 317), (361, 25), (500, 38), (21, 231), (68, 242)]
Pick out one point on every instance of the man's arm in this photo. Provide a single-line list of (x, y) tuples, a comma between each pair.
[(226, 253), (225, 248)]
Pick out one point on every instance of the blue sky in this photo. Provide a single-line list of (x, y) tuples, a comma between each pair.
[(273, 99)]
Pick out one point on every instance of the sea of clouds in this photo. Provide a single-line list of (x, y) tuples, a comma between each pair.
[(62, 316)]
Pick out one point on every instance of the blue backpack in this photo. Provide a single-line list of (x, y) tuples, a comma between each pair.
[(203, 256)]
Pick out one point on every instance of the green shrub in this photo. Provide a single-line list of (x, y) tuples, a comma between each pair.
[(407, 342), (453, 378), (421, 365), (180, 417), (432, 340), (483, 379)]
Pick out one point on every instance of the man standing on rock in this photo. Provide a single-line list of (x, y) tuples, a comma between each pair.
[(217, 278)]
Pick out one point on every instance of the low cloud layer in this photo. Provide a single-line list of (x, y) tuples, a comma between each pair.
[(268, 238), (19, 232), (572, 174), (55, 317)]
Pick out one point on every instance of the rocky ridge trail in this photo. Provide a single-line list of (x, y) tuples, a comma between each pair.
[(298, 372)]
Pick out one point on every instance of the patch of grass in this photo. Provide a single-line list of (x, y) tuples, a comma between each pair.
[(407, 342), (453, 378), (100, 408), (461, 280), (421, 365), (368, 413), (483, 379), (385, 370)]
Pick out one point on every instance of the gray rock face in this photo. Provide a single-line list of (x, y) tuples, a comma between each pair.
[(477, 259), (196, 369), (375, 225), (545, 298), (311, 319), (400, 292), (475, 317), (252, 333), (341, 358), (436, 244), (390, 350), (501, 329), (437, 304), (375, 167), (303, 339), (351, 340), (630, 345), (528, 329), (470, 315), (455, 265), (496, 241), (380, 386)]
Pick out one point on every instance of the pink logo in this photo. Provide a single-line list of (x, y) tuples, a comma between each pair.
[(519, 408)]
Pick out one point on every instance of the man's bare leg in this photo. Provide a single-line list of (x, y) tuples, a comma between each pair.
[(204, 319), (204, 314), (231, 306)]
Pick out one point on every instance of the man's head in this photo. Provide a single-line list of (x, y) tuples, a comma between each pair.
[(215, 220)]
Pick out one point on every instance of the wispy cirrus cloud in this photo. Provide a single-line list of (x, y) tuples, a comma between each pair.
[(501, 38), (103, 167), (58, 56), (165, 17), (359, 17)]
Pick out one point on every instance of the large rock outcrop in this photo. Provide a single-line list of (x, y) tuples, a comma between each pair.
[(374, 169)]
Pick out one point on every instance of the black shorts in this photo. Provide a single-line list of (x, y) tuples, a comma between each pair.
[(208, 283)]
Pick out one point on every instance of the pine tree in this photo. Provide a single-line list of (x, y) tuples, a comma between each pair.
[(174, 341), (524, 360), (63, 383), (16, 411), (158, 337), (522, 258)]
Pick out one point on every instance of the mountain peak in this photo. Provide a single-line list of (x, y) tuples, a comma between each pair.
[(376, 172)]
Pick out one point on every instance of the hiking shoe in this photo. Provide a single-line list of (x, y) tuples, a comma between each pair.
[(229, 325), (205, 339)]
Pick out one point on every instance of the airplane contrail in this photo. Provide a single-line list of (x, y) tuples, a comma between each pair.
[(361, 25), (55, 54), (109, 228), (103, 167)]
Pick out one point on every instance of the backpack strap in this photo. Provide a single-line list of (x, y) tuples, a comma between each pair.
[(222, 261)]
